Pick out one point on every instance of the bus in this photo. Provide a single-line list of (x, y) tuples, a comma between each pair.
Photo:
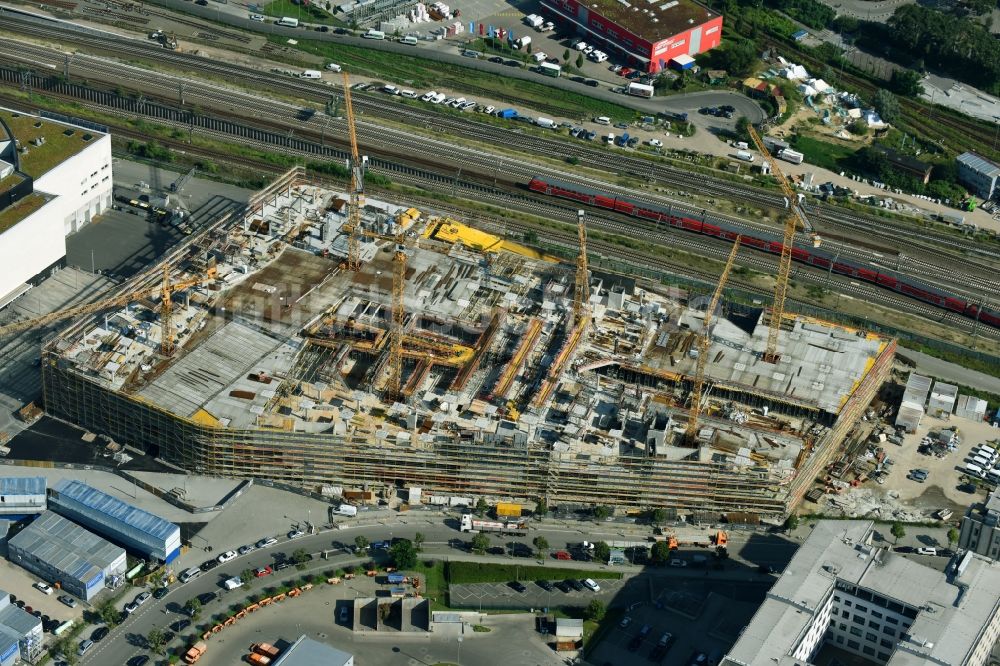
[(548, 69)]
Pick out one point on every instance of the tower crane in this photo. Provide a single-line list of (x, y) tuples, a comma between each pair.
[(165, 290), (704, 342), (795, 217), (581, 295), (398, 317), (357, 193)]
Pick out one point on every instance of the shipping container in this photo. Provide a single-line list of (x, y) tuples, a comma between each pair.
[(509, 509)]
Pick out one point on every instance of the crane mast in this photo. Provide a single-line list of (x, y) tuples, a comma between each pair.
[(581, 295), (704, 342), (396, 326), (357, 193), (792, 219)]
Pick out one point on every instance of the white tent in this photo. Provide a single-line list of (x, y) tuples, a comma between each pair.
[(795, 73), (820, 85), (806, 89)]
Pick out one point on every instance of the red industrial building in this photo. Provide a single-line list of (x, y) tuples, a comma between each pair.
[(645, 34)]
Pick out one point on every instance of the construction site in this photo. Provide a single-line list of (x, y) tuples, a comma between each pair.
[(338, 343)]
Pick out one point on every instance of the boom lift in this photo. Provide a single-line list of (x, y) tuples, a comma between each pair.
[(794, 217), (704, 343)]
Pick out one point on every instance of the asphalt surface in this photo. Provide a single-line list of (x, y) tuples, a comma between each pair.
[(127, 640)]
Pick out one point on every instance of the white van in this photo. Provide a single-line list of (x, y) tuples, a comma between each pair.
[(311, 74), (973, 469), (982, 462), (926, 550), (391, 89), (409, 40), (334, 67), (190, 574), (602, 120), (437, 99), (374, 34), (232, 583), (408, 94)]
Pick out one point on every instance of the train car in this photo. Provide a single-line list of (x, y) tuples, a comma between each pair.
[(771, 243)]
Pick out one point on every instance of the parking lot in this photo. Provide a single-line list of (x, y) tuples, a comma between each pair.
[(692, 616), (502, 595), (19, 582)]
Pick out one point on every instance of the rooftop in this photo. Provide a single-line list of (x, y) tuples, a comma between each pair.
[(22, 485), (307, 652), (61, 141), (20, 211), (949, 616), (15, 623), (652, 20), (66, 546), (980, 164), (115, 509)]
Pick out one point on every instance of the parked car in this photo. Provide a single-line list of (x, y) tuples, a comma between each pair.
[(591, 584), (625, 622), (263, 571), (180, 625), (99, 633), (656, 143), (284, 564), (249, 548), (561, 586), (139, 660), (207, 597), (674, 562), (208, 565), (161, 592), (497, 59), (592, 83), (43, 587), (264, 543), (296, 534), (142, 598), (517, 586), (575, 584), (67, 600)]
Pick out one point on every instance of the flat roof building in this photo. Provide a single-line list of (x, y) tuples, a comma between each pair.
[(118, 521), (21, 496), (979, 174), (648, 35), (839, 590), (20, 633), (62, 552), (980, 531), (307, 652)]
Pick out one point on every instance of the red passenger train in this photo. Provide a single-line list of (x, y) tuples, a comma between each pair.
[(765, 242)]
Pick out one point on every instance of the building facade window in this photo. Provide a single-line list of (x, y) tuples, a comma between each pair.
[(871, 637), (856, 631), (854, 645)]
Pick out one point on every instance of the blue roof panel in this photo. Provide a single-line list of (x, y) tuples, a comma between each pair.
[(22, 485), (116, 509)]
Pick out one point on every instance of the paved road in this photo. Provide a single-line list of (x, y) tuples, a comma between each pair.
[(951, 372), (127, 639), (868, 10)]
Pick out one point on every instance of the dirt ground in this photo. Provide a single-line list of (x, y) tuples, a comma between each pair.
[(944, 478)]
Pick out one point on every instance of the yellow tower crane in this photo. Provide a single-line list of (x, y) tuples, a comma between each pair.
[(581, 295), (165, 290), (795, 217), (398, 317), (704, 343), (357, 194)]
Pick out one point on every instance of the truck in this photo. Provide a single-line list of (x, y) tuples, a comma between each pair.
[(473, 525), (640, 90), (346, 510), (195, 652), (232, 583), (258, 659), (266, 649), (288, 22), (534, 20), (522, 42), (790, 155), (547, 123), (507, 113), (510, 509), (744, 155)]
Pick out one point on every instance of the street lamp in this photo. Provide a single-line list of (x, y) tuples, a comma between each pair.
[(458, 659)]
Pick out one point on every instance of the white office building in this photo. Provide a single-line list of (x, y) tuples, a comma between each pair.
[(841, 591), (54, 178)]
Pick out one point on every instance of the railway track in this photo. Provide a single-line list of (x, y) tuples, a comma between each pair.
[(280, 116), (376, 105)]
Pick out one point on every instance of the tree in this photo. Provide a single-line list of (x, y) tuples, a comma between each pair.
[(403, 554), (887, 105), (247, 577), (541, 544), (193, 608), (528, 49), (579, 61), (660, 552), (791, 522), (906, 82), (594, 610), (156, 640), (418, 540), (952, 536), (481, 507), (601, 512), (480, 544), (602, 551), (300, 556), (64, 647), (109, 614), (858, 128), (541, 508), (742, 131), (739, 59), (657, 516), (361, 542), (897, 531), (566, 55)]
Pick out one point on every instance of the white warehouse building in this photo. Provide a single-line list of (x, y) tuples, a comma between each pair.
[(21, 496), (54, 178), (841, 591)]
